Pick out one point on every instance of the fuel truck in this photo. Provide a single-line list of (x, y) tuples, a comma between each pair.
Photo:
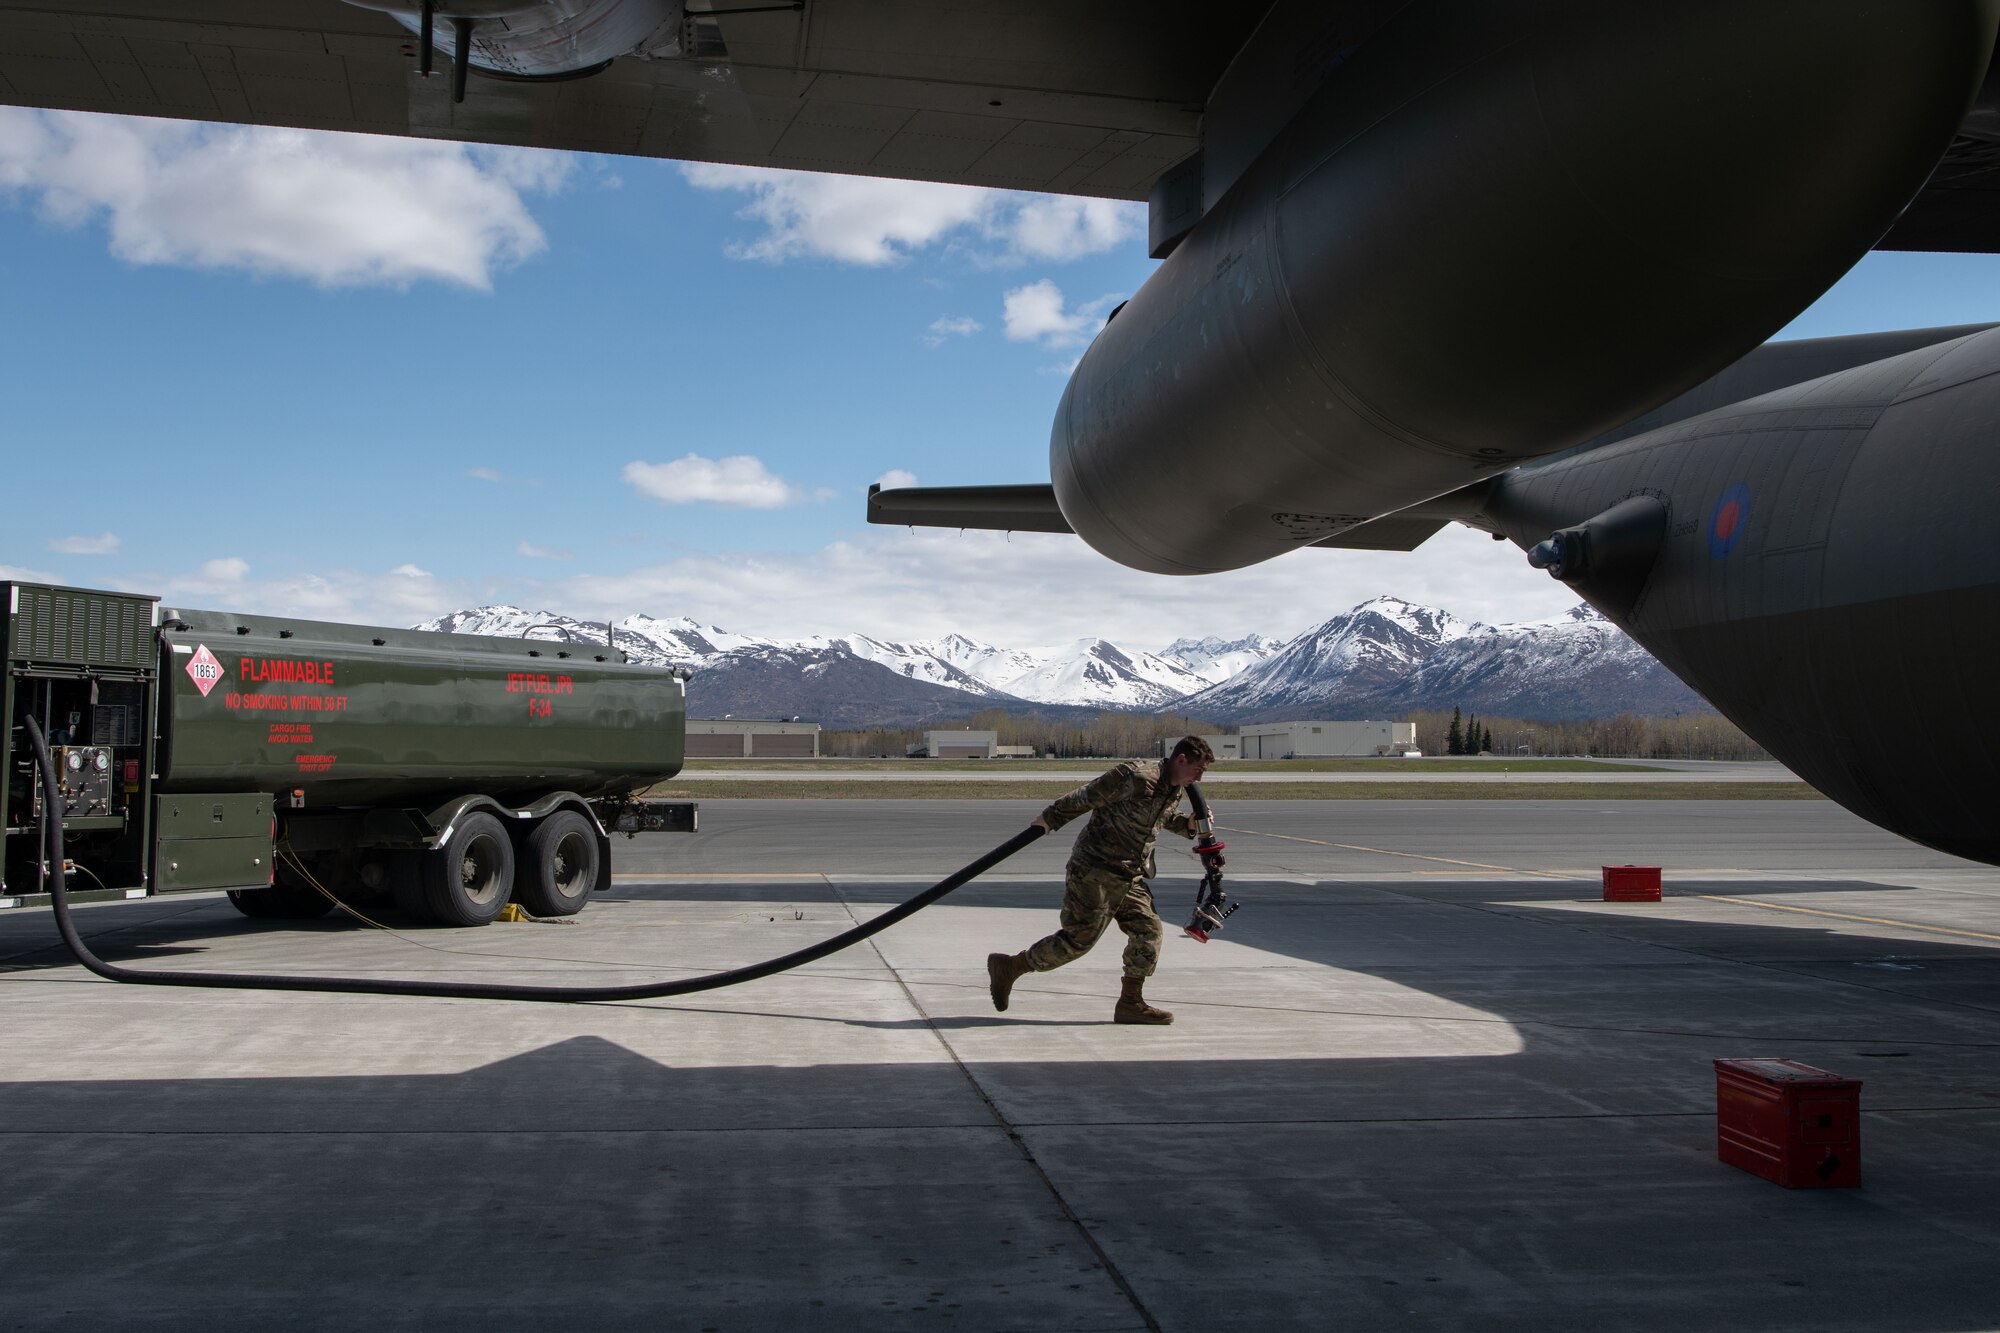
[(292, 762)]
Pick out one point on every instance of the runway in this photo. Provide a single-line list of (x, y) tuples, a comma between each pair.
[(1425, 1079), (1383, 771)]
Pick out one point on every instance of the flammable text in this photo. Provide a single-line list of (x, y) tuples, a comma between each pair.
[(285, 670)]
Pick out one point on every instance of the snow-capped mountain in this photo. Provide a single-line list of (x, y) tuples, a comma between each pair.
[(1572, 666), (825, 683), (648, 640), (1097, 671), (1387, 657), (1216, 660), (1360, 652), (916, 661), (1382, 659)]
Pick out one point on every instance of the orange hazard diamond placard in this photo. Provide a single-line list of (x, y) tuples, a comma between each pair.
[(204, 670)]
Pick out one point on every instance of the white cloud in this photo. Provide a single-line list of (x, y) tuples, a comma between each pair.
[(1035, 313), (864, 220), (104, 543), (18, 574), (223, 576), (228, 569), (499, 478), (853, 219), (902, 584), (400, 596), (895, 479), (337, 210), (535, 552), (737, 482), (1061, 227), (951, 326)]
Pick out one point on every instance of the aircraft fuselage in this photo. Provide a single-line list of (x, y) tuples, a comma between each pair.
[(1826, 575)]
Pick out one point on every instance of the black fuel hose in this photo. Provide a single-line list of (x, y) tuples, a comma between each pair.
[(59, 899)]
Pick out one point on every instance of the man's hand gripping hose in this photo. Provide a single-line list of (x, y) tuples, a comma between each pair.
[(1211, 905), (59, 899)]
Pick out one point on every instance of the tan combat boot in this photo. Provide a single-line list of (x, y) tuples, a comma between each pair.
[(1002, 971), (1132, 1006)]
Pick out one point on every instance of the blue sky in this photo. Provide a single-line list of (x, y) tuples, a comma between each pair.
[(380, 379)]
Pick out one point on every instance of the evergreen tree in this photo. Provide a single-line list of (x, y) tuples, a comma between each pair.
[(1486, 740), (1454, 741), (1472, 734)]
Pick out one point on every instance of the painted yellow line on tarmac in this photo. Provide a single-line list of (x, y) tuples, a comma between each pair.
[(1849, 916)]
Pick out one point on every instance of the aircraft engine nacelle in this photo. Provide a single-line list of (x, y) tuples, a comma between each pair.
[(1495, 231)]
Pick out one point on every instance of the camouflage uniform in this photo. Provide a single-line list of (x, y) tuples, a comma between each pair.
[(1105, 880)]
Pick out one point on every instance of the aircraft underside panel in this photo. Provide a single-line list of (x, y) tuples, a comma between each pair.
[(1880, 705), (1828, 577)]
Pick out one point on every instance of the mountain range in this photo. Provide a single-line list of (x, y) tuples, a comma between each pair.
[(1384, 658)]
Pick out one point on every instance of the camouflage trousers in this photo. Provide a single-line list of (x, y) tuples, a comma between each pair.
[(1092, 900)]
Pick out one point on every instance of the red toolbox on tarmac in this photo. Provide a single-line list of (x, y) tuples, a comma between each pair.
[(1788, 1122), (1631, 884)]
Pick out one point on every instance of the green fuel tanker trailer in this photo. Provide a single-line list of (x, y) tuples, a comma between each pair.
[(205, 750)]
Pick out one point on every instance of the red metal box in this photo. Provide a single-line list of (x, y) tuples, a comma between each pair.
[(1788, 1122), (1631, 884)]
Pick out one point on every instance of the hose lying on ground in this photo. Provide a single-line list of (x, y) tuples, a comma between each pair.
[(59, 899)]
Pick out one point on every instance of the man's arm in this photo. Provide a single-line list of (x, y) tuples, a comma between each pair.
[(1176, 822), (1104, 790)]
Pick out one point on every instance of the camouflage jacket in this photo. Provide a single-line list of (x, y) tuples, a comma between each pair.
[(1127, 807)]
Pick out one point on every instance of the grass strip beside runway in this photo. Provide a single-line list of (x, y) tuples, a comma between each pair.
[(859, 788)]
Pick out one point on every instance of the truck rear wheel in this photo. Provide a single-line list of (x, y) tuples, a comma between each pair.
[(559, 865), (467, 880)]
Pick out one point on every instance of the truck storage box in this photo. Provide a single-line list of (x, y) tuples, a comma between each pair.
[(218, 840), (1788, 1122)]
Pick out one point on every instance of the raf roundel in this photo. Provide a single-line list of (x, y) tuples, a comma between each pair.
[(1731, 517)]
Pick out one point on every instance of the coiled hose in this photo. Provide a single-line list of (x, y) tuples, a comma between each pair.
[(59, 899)]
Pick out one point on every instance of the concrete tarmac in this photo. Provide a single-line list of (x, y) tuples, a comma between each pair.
[(1389, 770), (1425, 1079)]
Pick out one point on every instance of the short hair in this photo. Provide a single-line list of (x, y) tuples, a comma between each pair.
[(1193, 747)]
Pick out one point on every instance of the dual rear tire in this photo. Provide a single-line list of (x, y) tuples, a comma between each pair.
[(559, 864), (468, 881)]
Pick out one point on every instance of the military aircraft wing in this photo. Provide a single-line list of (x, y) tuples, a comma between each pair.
[(1097, 99), (992, 508), (1034, 509), (1087, 99)]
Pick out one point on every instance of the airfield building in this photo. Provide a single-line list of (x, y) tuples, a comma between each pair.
[(728, 738), (956, 745), (1325, 739), (1223, 747)]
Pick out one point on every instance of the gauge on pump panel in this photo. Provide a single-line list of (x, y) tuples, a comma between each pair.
[(75, 760), (102, 761)]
